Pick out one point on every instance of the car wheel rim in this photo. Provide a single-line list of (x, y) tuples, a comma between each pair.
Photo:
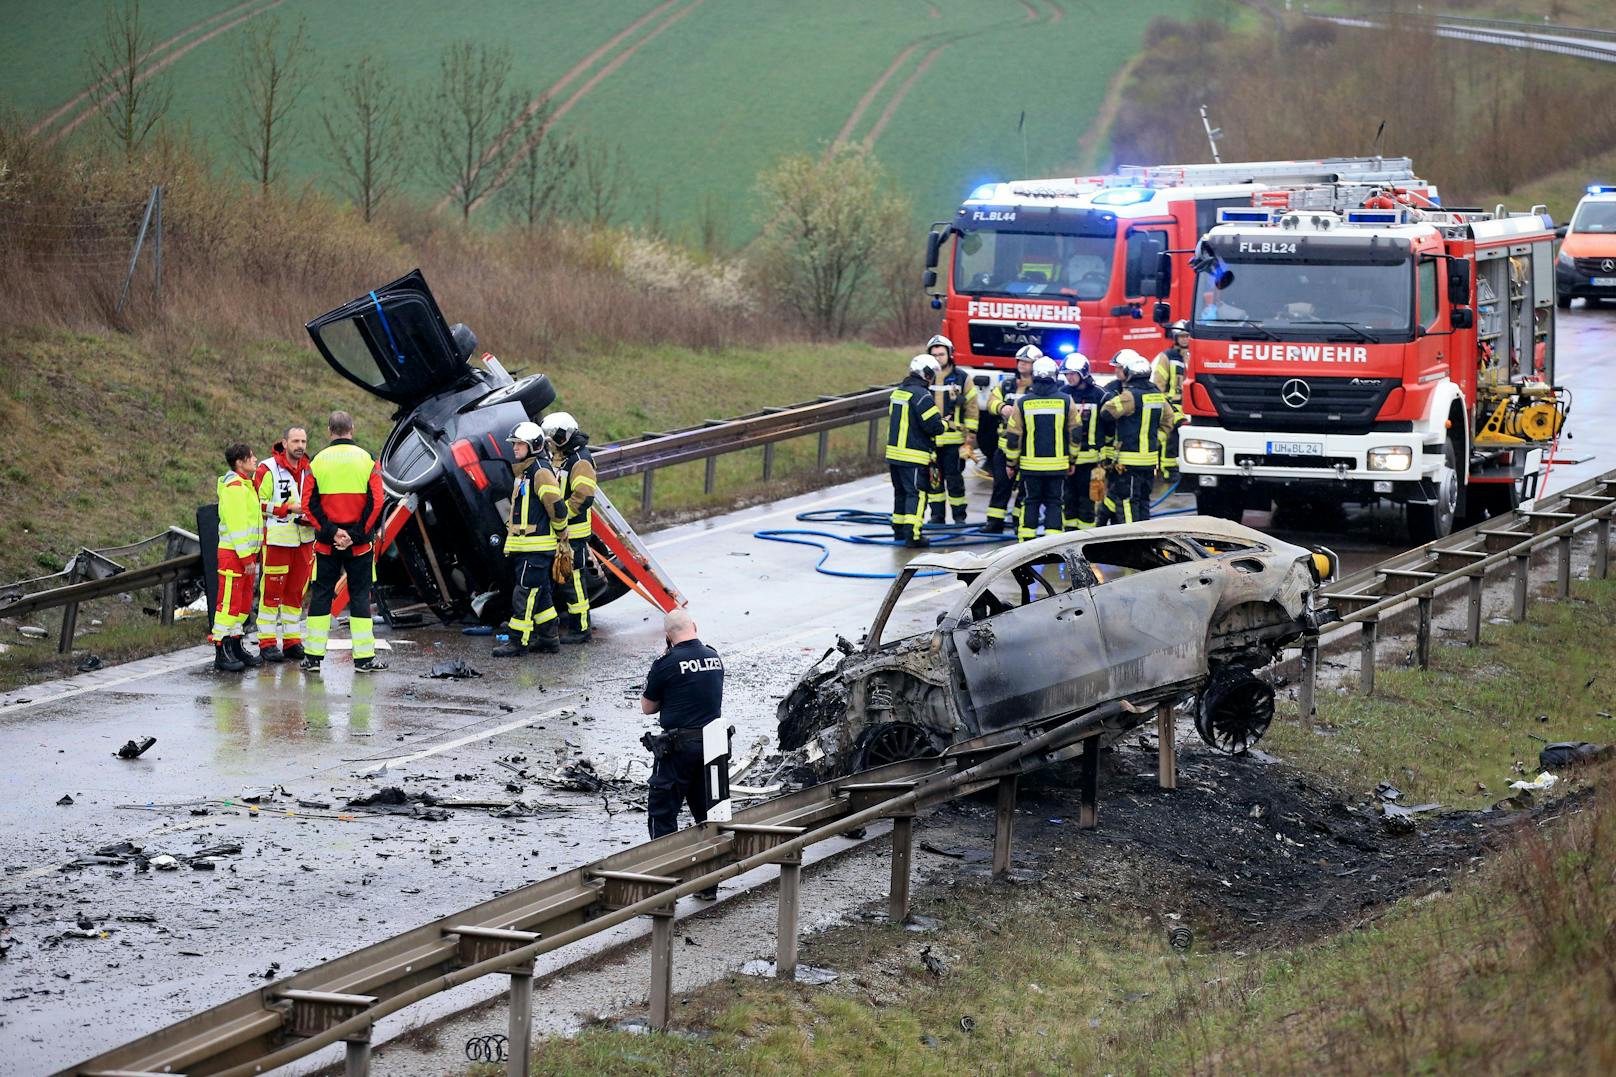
[(895, 742)]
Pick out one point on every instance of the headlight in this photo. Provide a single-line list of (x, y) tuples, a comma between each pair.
[(1204, 453), (1566, 260), (1391, 458)]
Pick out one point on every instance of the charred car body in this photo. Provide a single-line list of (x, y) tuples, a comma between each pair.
[(1153, 613), (447, 455)]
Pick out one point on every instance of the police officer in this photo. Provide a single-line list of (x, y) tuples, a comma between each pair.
[(685, 690), (1077, 506), (1038, 444), (1009, 388), (913, 426), (537, 513), (1167, 372), (958, 405), (570, 448), (1134, 425)]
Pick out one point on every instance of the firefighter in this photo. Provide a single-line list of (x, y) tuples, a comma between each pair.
[(1167, 373), (685, 690), (345, 501), (1134, 425), (537, 522), (240, 534), (958, 405), (1078, 506), (576, 468), (913, 426), (283, 490), (1003, 395), (1040, 432)]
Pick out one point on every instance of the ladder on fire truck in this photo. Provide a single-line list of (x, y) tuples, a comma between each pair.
[(1366, 170)]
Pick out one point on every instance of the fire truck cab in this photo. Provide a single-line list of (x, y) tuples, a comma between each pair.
[(1076, 264), (1362, 346)]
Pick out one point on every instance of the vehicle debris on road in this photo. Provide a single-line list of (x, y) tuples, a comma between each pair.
[(133, 750), (458, 669)]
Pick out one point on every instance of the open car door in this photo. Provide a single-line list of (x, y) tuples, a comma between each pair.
[(393, 342)]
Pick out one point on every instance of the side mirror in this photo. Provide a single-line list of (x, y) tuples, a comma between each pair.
[(1161, 313), (1462, 318), (934, 243), (1164, 274), (1458, 282), (928, 279), (1560, 232)]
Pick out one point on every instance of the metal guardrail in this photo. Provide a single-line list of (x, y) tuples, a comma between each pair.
[(1593, 45), (341, 1000)]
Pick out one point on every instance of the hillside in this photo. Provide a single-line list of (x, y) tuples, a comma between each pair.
[(698, 95)]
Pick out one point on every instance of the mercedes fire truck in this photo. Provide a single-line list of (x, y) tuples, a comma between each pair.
[(1073, 264), (1352, 343)]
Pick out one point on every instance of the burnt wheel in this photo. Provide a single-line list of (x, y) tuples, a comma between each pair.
[(1234, 710), (893, 742)]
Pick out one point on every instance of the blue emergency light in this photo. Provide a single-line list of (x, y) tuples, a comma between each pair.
[(1245, 216), (1374, 216), (1601, 188), (1124, 196), (1067, 349)]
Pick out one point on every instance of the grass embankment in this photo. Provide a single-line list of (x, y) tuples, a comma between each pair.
[(1513, 970), (106, 438)]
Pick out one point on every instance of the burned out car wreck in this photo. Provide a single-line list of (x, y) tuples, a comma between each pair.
[(1159, 612)]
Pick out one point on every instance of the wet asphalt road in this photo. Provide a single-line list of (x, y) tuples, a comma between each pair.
[(307, 886)]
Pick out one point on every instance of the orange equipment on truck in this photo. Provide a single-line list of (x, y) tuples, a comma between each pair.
[(1071, 265), (1356, 342)]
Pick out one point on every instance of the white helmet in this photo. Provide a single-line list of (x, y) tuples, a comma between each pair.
[(1029, 351), (1076, 363), (527, 432), (926, 366), (1130, 364), (560, 426), (1044, 367), (941, 340)]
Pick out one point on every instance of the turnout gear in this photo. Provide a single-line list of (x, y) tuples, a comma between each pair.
[(537, 516), (240, 536), (958, 406), (1076, 363), (1134, 426), (560, 427), (913, 426), (1038, 444), (1009, 388), (283, 488), (528, 433), (578, 484), (1080, 506), (925, 366), (1044, 369), (346, 495), (1167, 374)]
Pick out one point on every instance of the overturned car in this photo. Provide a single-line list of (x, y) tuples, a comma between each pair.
[(1155, 612)]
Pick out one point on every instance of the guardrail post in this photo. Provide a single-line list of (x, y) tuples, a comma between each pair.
[(1422, 640), (1477, 583), (1307, 690), (1602, 547), (1166, 749), (768, 461), (1088, 784), (785, 943), (875, 438), (661, 966), (519, 1030), (1564, 590), (1004, 822), (1366, 656), (1523, 563), (710, 479), (646, 484), (824, 448), (903, 848), (70, 622), (356, 1055)]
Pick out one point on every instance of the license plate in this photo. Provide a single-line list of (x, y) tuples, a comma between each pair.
[(1296, 448), (1603, 282)]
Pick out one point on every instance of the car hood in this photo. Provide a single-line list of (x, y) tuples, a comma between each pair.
[(1589, 245)]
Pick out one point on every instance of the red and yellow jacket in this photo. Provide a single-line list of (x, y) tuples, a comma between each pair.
[(345, 494), (280, 481)]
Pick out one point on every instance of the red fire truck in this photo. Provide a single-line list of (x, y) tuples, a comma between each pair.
[(1355, 343), (1072, 264)]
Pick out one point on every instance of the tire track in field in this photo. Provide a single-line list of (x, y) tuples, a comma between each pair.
[(1088, 143), (869, 96), (903, 91), (1056, 12), (594, 80), (177, 54), (1032, 12), (85, 94)]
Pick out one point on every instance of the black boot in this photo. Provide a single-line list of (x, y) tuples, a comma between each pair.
[(369, 665), (272, 653), (573, 633), (510, 648), (224, 659), (240, 653), (917, 542), (310, 663), (546, 638), (993, 527), (294, 652), (959, 514)]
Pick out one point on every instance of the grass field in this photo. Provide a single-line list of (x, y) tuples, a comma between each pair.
[(708, 93)]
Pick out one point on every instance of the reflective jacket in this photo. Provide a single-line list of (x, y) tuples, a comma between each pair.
[(1088, 396), (1041, 433), (280, 482), (913, 422), (957, 403), (346, 494), (991, 424), (578, 482), (1134, 424), (241, 525), (537, 512)]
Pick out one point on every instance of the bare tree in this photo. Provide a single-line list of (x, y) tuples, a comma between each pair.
[(542, 180), (365, 135), (131, 96), (267, 88), (602, 182), (475, 126)]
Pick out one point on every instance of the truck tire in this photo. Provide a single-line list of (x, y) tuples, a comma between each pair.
[(1427, 523), (1562, 301), (1219, 502)]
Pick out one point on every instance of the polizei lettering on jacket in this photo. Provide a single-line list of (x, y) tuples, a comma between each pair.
[(700, 665), (1022, 312), (1298, 353)]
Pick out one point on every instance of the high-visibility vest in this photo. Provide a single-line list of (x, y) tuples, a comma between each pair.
[(580, 525), (530, 527), (1045, 445), (910, 410), (241, 521), (278, 486), (1139, 433), (342, 479)]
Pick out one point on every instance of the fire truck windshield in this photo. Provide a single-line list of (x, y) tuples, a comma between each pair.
[(993, 262), (1310, 301)]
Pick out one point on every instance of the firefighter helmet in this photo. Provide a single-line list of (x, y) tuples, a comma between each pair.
[(1130, 364), (465, 341), (1029, 352), (940, 341), (1180, 326), (926, 366), (528, 433), (560, 427), (1076, 363), (1044, 369)]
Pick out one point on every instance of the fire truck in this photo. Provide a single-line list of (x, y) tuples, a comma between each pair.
[(1355, 343), (1073, 264)]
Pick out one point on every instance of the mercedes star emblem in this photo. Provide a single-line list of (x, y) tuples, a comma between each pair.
[(1608, 264), (1295, 393)]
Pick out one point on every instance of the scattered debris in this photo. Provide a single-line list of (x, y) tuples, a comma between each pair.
[(1387, 791), (391, 800), (313, 803), (493, 1047), (970, 856), (811, 975), (165, 863), (132, 750), (67, 800), (1542, 782), (32, 631), (90, 663), (921, 924), (1180, 938), (1567, 753), (934, 964), (967, 1024), (577, 777), (455, 670)]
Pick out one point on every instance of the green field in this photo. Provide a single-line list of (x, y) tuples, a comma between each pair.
[(713, 92)]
